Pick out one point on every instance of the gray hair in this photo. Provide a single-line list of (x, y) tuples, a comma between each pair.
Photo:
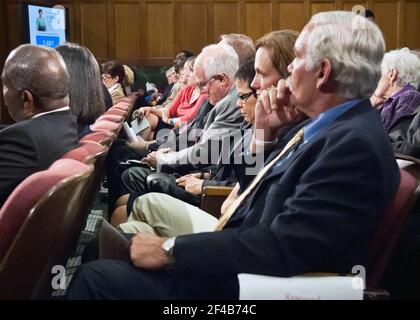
[(218, 59), (406, 63), (355, 47), (242, 44), (41, 70)]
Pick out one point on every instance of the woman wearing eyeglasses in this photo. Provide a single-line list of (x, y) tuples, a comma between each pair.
[(113, 75)]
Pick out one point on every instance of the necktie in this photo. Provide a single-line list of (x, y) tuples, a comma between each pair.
[(297, 138)]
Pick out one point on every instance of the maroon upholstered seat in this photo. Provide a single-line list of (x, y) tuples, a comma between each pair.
[(85, 152), (116, 111), (103, 137), (389, 227), (32, 224), (106, 125), (112, 118)]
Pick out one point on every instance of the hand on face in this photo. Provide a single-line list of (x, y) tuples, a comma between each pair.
[(273, 110), (377, 101)]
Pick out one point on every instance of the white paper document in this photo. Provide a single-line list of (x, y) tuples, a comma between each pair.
[(139, 126), (131, 135), (258, 287)]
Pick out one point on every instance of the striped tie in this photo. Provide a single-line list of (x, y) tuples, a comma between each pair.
[(289, 146)]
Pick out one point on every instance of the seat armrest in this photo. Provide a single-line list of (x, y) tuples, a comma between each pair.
[(212, 199), (217, 191)]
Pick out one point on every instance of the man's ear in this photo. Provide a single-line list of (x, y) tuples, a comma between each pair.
[(393, 75), (28, 103), (222, 78), (324, 74)]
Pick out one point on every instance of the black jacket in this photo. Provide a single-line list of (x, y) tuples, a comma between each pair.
[(316, 212), (33, 145)]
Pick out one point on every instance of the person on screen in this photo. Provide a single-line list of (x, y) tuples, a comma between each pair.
[(41, 25)]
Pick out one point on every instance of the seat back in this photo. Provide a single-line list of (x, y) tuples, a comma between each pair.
[(93, 186), (106, 125), (116, 111), (101, 136), (85, 152), (90, 153), (112, 117), (34, 245), (389, 227)]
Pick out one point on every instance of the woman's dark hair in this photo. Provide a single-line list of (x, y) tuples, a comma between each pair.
[(114, 68), (86, 93), (246, 72)]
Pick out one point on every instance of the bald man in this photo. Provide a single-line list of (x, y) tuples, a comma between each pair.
[(36, 94)]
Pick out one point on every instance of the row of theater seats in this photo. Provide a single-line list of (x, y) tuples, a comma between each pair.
[(42, 219)]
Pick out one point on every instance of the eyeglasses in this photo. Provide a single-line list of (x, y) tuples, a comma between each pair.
[(243, 97), (203, 84), (106, 77)]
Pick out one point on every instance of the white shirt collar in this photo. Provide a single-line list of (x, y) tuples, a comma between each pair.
[(56, 110), (111, 89)]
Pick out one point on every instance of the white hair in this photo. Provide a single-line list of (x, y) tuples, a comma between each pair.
[(355, 47), (406, 63), (218, 59)]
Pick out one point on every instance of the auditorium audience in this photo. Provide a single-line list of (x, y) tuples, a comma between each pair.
[(274, 54), (310, 209), (180, 111), (218, 65), (172, 78), (161, 214), (86, 93), (113, 75), (396, 93), (36, 93)]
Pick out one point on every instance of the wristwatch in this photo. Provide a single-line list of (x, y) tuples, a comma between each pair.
[(168, 248)]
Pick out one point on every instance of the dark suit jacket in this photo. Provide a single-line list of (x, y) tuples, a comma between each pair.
[(33, 145), (316, 212)]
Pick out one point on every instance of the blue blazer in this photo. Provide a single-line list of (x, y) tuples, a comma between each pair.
[(316, 212)]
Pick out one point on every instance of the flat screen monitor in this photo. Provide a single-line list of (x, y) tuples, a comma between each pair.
[(46, 25)]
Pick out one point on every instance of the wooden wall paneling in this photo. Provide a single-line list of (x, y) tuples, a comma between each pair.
[(95, 28), (193, 26), (317, 6), (226, 18), (291, 15), (3, 35), (412, 25), (14, 28), (258, 19), (160, 31), (3, 53), (127, 31), (143, 25), (71, 21), (386, 16), (152, 31), (110, 35), (75, 20)]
